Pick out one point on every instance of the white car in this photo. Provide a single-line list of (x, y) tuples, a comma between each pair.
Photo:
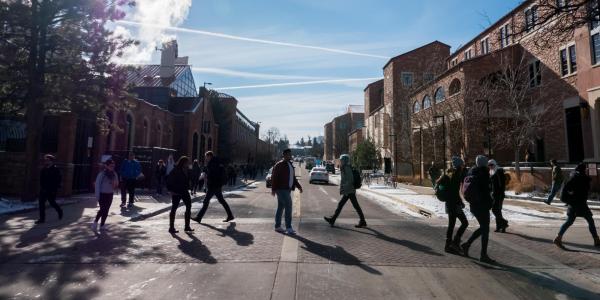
[(319, 174)]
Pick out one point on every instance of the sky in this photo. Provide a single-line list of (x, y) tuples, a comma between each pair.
[(296, 64)]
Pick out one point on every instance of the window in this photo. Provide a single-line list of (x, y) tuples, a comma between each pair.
[(468, 54), (568, 60), (485, 46), (453, 62), (439, 95), (426, 102), (530, 18), (407, 78), (427, 77), (594, 12), (504, 36), (416, 107), (535, 74), (454, 87)]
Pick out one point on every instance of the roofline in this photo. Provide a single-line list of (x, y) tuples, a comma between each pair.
[(413, 50), (247, 119), (374, 82), (511, 12)]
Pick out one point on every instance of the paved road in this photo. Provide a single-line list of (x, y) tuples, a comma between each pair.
[(396, 257)]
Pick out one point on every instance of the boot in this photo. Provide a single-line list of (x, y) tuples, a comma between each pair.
[(448, 247), (329, 220), (465, 248), (558, 242), (596, 241), (361, 224), (486, 259), (173, 230), (456, 246)]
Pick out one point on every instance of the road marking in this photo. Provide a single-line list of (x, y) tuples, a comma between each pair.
[(323, 190)]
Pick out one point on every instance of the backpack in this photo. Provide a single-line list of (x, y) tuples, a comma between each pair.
[(442, 192), (469, 189), (356, 178)]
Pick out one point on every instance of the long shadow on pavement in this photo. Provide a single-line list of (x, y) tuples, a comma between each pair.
[(549, 241), (409, 244), (240, 237), (337, 254), (195, 248)]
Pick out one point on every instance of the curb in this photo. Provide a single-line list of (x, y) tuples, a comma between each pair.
[(167, 208)]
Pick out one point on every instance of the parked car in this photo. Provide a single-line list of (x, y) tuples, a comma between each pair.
[(330, 167), (318, 174), (268, 178)]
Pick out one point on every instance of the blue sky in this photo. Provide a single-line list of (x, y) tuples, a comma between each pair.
[(372, 30)]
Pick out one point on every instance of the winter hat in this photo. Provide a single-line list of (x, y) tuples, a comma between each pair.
[(492, 162), (481, 161), (345, 158), (457, 162)]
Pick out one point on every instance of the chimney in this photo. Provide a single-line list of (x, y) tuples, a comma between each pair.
[(167, 59)]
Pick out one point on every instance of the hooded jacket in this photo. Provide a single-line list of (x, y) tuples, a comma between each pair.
[(347, 181)]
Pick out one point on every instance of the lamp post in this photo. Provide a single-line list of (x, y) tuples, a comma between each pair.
[(444, 139), (420, 128), (487, 128), (395, 155)]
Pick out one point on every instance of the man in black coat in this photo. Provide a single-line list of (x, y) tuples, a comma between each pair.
[(498, 188), (50, 179), (575, 194), (481, 203), (216, 177)]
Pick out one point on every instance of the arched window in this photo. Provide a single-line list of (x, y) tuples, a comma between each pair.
[(454, 87), (202, 146), (426, 102), (416, 107), (130, 127), (439, 95)]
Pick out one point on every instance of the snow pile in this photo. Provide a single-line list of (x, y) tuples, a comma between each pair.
[(8, 206)]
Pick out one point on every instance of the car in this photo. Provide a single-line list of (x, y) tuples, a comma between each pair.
[(318, 174), (330, 167), (268, 178)]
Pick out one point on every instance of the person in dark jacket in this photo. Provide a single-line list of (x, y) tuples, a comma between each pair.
[(434, 173), (283, 182), (178, 185), (347, 191), (50, 180), (480, 206), (131, 171), (498, 187), (195, 176), (557, 181), (161, 174), (575, 194), (455, 205), (216, 177)]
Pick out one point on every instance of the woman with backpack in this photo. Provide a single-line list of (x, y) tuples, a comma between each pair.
[(107, 182), (498, 186), (575, 194), (178, 185), (447, 190), (348, 191)]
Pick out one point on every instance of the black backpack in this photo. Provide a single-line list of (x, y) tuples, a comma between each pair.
[(442, 191), (356, 178)]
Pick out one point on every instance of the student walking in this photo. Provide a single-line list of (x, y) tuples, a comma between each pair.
[(131, 171), (161, 175), (195, 176), (50, 180), (178, 186), (575, 194), (107, 182), (476, 190), (434, 173), (498, 187), (216, 177), (557, 181), (451, 184), (284, 181), (348, 191)]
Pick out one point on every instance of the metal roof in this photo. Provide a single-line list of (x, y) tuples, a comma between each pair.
[(147, 76)]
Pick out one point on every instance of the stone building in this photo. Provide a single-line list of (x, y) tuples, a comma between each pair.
[(354, 138), (337, 131), (328, 142)]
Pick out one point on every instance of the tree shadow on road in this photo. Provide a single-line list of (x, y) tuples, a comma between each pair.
[(406, 243), (334, 253), (240, 237), (195, 248)]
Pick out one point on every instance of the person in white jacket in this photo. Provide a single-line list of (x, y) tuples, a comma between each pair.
[(107, 182)]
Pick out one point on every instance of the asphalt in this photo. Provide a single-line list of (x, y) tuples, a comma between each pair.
[(397, 257)]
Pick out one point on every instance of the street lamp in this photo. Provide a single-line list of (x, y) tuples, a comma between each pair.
[(444, 140), (487, 129), (420, 128), (395, 155)]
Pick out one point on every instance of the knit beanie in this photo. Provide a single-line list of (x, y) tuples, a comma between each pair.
[(481, 161), (345, 159), (457, 162)]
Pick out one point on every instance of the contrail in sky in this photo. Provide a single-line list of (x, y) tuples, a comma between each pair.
[(297, 83), (240, 38)]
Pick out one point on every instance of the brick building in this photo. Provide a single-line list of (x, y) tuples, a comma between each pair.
[(328, 142), (354, 138), (378, 117), (337, 131)]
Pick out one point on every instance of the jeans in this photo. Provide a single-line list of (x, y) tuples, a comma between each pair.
[(209, 194), (354, 202), (128, 187), (187, 201), (483, 217), (460, 215), (51, 198), (105, 201), (553, 191), (284, 202), (571, 219)]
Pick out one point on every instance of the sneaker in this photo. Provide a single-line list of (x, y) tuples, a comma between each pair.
[(279, 229), (558, 242), (290, 231), (94, 226)]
